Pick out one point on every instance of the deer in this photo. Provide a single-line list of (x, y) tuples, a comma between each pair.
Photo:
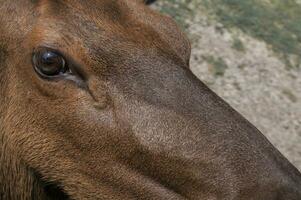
[(97, 101)]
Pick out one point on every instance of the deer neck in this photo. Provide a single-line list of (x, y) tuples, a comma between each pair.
[(16, 180)]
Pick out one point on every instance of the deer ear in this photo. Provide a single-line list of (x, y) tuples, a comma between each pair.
[(148, 2)]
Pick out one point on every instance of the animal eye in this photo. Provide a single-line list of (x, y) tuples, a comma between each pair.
[(49, 63)]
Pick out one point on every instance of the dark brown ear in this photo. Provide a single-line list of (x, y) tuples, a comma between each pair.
[(147, 2)]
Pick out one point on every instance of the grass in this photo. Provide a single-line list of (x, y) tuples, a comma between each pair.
[(180, 10), (290, 95), (276, 22), (217, 65), (238, 45)]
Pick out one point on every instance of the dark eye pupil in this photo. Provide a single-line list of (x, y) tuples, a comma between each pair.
[(49, 63), (50, 58)]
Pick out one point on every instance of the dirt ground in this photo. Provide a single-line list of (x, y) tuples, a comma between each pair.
[(247, 71)]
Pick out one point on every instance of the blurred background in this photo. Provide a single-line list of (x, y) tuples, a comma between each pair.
[(249, 53)]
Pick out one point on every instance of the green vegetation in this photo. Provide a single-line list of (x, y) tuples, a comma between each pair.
[(238, 45), (290, 95), (217, 65), (277, 22), (180, 10)]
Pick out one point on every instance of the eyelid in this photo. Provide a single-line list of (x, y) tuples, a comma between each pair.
[(76, 68)]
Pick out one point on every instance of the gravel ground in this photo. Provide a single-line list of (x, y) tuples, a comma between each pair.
[(250, 76)]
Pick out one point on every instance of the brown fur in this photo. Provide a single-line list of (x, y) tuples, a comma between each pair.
[(137, 125)]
